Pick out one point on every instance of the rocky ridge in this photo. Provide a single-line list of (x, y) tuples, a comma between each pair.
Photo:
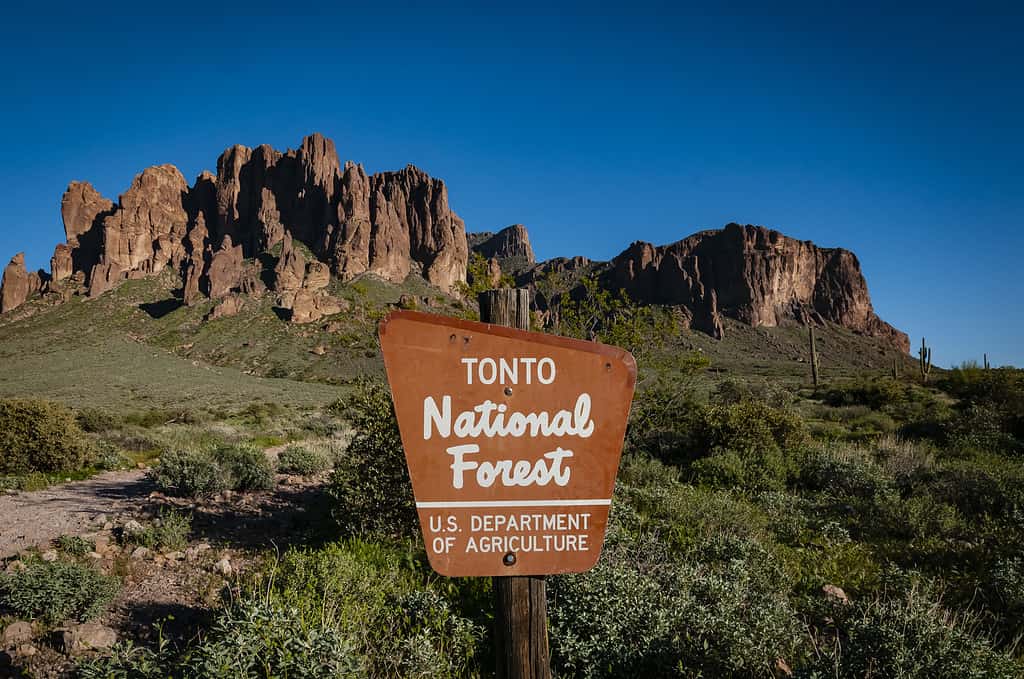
[(390, 224), (215, 235), (755, 275)]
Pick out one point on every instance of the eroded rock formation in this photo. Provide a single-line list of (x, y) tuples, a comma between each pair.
[(510, 246), (222, 236), (17, 284), (391, 224), (755, 275)]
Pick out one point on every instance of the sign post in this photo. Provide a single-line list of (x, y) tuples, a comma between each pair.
[(520, 601), (513, 441)]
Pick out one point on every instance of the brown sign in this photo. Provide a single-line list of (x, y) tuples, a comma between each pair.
[(512, 438)]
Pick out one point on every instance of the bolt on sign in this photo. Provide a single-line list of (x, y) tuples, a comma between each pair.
[(512, 439)]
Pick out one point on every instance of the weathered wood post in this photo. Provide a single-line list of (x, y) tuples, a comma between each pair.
[(520, 602)]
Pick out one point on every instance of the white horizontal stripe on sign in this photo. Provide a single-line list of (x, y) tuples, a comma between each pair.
[(510, 503)]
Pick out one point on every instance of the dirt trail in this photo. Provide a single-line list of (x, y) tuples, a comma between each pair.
[(36, 518)]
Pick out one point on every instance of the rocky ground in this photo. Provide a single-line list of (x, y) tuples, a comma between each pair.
[(164, 592)]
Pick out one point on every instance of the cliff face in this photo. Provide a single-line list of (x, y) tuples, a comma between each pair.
[(510, 246), (755, 275), (390, 224)]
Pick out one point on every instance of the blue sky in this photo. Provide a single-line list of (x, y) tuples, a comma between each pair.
[(896, 133)]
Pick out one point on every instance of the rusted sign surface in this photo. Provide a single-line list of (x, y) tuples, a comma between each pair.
[(512, 439)]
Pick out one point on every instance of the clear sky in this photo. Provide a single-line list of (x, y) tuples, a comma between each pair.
[(896, 133)]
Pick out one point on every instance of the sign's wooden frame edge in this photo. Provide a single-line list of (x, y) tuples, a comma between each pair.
[(526, 335)]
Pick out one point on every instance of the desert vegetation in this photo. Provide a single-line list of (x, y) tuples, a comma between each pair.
[(761, 526)]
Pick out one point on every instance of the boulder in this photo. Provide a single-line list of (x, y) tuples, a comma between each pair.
[(230, 306), (309, 306), (318, 276), (18, 632), (88, 636)]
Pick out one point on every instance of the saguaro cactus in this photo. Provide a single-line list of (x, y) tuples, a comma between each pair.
[(985, 359), (925, 358), (896, 368), (814, 357)]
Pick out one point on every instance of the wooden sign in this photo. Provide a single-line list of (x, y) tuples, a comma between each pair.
[(512, 439)]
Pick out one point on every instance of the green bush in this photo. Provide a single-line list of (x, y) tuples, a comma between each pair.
[(247, 466), (189, 473), (642, 613), (911, 636), (370, 483), (260, 638), (96, 421), (376, 598), (40, 436), (56, 591), (194, 473), (125, 660), (170, 531), (844, 472), (72, 545), (109, 457), (303, 460), (767, 470), (981, 428)]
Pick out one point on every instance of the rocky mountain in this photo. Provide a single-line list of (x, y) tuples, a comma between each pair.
[(231, 235), (389, 224), (755, 275)]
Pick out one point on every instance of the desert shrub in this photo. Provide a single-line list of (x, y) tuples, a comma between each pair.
[(96, 421), (1008, 583), (109, 456), (767, 470), (303, 460), (40, 436), (668, 426), (422, 636), (260, 638), (155, 417), (260, 412), (750, 426), (247, 466), (641, 612), (194, 473), (125, 660), (911, 636), (980, 427), (875, 394), (843, 471), (372, 595), (370, 483), (984, 485), (660, 421), (73, 545), (684, 515), (56, 591), (731, 391), (190, 474), (170, 531)]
